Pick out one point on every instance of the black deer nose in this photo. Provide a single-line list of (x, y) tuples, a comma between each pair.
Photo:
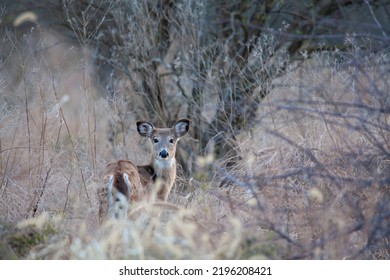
[(164, 154)]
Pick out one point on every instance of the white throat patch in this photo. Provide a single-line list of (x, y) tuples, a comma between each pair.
[(161, 164)]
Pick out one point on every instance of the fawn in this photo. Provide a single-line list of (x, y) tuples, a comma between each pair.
[(125, 182)]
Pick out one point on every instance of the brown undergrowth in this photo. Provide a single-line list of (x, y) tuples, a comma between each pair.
[(309, 181)]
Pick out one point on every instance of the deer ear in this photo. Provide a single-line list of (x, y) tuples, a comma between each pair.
[(181, 127), (145, 129)]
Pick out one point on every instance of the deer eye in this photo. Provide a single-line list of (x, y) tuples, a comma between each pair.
[(155, 140), (171, 140)]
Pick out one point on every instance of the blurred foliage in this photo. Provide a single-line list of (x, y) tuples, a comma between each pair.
[(17, 241), (177, 57), (215, 62)]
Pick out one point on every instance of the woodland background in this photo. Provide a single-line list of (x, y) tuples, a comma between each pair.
[(288, 156)]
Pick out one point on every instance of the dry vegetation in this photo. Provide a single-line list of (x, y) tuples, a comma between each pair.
[(288, 159)]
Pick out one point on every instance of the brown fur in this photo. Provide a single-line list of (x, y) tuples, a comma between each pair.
[(117, 169), (160, 173)]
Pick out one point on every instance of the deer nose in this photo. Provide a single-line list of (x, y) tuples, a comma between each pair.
[(163, 154)]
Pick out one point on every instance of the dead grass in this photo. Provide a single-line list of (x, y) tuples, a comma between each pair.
[(310, 181)]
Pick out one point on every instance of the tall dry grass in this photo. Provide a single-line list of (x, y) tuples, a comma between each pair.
[(310, 180)]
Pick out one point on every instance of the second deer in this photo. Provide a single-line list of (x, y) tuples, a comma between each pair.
[(125, 182)]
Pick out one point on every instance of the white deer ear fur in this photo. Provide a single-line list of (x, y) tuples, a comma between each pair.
[(181, 127), (145, 129)]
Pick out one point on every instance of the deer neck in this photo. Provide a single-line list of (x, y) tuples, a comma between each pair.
[(164, 169), (164, 176)]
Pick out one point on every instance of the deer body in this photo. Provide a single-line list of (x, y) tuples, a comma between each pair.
[(126, 183)]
